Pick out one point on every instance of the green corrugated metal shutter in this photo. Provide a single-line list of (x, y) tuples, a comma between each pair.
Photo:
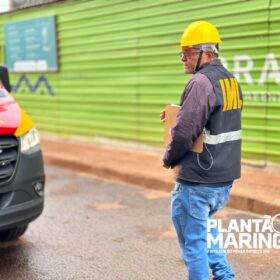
[(273, 110), (119, 66)]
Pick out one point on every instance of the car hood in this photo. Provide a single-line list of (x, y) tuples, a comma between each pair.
[(10, 113)]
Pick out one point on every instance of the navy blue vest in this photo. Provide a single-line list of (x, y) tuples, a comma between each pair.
[(220, 160)]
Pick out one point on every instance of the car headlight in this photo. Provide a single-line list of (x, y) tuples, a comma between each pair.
[(29, 140)]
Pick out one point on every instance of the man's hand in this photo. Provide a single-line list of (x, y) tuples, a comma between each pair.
[(162, 115)]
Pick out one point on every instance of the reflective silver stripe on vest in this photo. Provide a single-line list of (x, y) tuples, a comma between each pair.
[(222, 138)]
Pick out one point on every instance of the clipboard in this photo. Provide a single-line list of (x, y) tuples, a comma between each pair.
[(171, 112)]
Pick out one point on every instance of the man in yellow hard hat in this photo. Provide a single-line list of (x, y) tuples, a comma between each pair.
[(211, 103)]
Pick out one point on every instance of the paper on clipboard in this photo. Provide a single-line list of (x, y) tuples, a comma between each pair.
[(171, 112)]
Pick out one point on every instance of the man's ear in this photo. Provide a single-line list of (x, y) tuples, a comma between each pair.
[(1, 84), (210, 54)]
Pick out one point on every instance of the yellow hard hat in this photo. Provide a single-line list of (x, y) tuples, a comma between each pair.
[(200, 32)]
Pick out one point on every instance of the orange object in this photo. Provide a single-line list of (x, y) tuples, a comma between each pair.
[(171, 112)]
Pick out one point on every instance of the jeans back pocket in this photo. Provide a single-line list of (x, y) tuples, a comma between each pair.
[(200, 202)]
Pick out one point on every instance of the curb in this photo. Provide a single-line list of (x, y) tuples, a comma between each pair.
[(236, 201)]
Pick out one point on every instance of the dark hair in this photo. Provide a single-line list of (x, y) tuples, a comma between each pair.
[(4, 77)]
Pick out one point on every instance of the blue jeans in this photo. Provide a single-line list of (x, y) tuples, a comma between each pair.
[(191, 207)]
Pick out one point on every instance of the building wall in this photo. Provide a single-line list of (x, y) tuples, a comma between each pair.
[(119, 66)]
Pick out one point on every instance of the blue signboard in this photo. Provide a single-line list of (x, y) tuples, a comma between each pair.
[(30, 45)]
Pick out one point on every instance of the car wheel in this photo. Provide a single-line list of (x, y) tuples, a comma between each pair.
[(13, 233)]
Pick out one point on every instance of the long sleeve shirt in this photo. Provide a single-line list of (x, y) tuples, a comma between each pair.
[(197, 103)]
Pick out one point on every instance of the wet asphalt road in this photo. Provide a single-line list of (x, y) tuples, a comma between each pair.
[(101, 230)]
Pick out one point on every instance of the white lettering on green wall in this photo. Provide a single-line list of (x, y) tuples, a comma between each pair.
[(270, 70), (244, 65), (240, 68)]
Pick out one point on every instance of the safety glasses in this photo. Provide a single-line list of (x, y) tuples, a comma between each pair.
[(188, 54)]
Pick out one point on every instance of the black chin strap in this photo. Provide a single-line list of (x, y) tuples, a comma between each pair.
[(198, 61)]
